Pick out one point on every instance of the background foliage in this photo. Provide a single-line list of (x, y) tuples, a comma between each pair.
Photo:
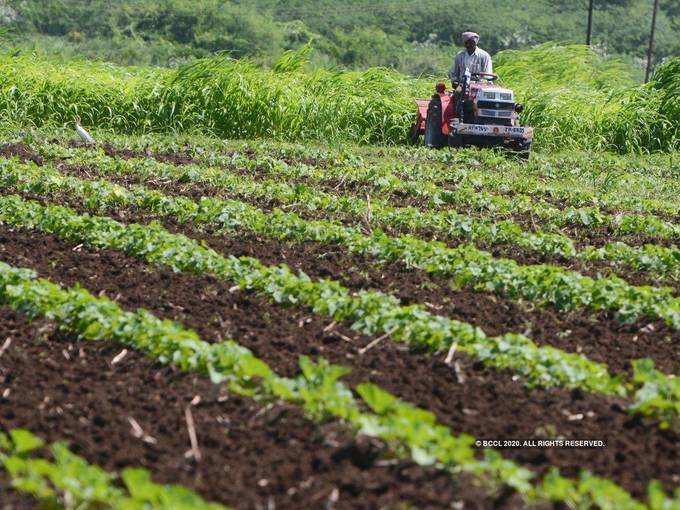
[(574, 97), (412, 37)]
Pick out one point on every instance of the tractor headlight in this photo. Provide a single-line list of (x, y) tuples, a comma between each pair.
[(519, 107)]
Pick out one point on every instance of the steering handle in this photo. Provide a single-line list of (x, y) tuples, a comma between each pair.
[(489, 76)]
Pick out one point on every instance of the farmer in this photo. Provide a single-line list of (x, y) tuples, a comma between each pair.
[(472, 57)]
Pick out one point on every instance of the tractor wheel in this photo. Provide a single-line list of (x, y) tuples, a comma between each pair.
[(413, 135), (456, 140), (433, 124), (468, 112)]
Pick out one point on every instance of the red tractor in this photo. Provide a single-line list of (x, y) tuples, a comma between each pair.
[(477, 112)]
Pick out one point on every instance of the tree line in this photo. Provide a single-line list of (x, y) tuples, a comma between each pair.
[(412, 37)]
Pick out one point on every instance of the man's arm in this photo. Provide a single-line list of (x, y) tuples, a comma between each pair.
[(488, 66), (455, 70)]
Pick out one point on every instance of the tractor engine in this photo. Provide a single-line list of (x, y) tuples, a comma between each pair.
[(494, 105)]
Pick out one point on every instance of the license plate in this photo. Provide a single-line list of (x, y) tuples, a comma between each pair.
[(491, 130)]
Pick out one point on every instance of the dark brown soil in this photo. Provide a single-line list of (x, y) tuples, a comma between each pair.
[(582, 236), (472, 399), (11, 499), (184, 157), (601, 337), (510, 251), (594, 269), (252, 455), (21, 151)]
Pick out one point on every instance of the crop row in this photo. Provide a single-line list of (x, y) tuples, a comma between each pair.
[(448, 223), (468, 198), (619, 186), (493, 178), (660, 260), (368, 311), (66, 480), (410, 430), (468, 266), (632, 183)]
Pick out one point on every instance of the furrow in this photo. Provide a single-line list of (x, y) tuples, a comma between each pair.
[(370, 312), (78, 311)]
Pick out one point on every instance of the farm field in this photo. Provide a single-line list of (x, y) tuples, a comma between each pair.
[(261, 324)]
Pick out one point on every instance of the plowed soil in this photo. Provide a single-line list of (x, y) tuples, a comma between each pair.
[(468, 397), (600, 337), (443, 179), (583, 235), (251, 456), (196, 191), (11, 499), (21, 151)]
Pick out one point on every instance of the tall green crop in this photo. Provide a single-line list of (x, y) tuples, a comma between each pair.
[(241, 100), (577, 99), (573, 97)]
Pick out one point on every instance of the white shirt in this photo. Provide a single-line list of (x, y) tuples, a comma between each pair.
[(478, 62)]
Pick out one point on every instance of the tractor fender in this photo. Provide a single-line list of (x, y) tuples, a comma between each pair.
[(434, 137), (447, 110)]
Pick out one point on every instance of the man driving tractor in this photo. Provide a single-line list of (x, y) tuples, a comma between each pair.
[(477, 111), (472, 57)]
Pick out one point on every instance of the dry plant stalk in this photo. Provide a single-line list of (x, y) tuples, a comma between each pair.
[(191, 428)]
